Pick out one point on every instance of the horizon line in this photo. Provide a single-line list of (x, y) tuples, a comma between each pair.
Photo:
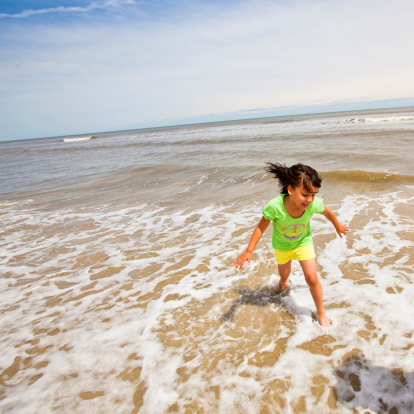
[(182, 122)]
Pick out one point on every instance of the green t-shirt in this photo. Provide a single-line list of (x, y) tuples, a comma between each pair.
[(290, 233)]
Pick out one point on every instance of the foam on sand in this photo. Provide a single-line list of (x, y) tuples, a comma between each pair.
[(139, 308)]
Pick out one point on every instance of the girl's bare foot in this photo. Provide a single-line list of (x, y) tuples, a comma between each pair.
[(282, 284), (324, 321)]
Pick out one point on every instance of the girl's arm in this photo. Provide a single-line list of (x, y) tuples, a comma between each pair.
[(257, 234), (340, 228)]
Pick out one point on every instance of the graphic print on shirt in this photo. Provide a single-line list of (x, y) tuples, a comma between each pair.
[(294, 231)]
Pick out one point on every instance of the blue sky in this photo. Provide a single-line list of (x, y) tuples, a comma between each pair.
[(79, 66)]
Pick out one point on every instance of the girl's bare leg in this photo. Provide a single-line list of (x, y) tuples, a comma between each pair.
[(311, 277), (284, 273)]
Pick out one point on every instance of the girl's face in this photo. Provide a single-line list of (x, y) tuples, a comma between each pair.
[(302, 197)]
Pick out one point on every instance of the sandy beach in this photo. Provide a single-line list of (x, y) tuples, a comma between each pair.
[(118, 292)]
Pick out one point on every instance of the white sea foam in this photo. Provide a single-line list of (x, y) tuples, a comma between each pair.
[(374, 119), (77, 139), (99, 305), (201, 180)]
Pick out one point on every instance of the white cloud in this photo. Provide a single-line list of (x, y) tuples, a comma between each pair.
[(63, 9), (258, 54)]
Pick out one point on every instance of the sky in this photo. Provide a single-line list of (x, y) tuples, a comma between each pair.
[(78, 66)]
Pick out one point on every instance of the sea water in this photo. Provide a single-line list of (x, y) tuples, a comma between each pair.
[(118, 292)]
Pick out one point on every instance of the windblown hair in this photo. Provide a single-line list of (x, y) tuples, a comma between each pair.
[(294, 176)]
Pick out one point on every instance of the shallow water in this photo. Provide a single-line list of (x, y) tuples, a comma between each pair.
[(126, 300)]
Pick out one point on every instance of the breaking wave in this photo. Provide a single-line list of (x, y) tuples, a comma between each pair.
[(79, 139), (368, 176)]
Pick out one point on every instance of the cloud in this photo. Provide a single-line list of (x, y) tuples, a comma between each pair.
[(63, 9)]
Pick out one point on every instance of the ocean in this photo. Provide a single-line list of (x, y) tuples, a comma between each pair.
[(118, 292)]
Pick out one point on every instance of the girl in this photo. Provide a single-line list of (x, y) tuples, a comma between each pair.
[(292, 239)]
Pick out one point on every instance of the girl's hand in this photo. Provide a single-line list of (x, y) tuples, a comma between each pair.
[(241, 260), (342, 229)]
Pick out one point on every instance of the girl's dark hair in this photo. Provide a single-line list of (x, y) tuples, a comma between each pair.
[(294, 176)]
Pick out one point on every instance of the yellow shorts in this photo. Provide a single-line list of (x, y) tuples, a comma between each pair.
[(301, 253)]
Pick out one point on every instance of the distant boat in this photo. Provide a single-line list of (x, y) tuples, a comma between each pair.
[(78, 139)]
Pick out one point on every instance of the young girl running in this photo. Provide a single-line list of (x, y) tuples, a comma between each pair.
[(291, 212)]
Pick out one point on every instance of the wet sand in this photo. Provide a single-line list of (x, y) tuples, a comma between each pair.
[(118, 292), (101, 312)]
